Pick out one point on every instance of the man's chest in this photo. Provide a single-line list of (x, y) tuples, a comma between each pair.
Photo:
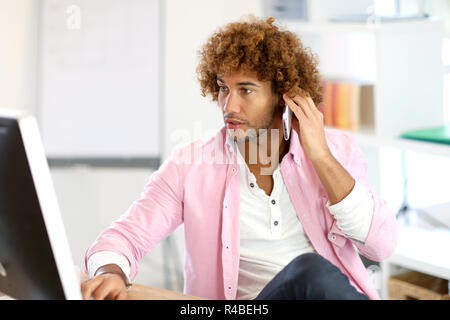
[(265, 183)]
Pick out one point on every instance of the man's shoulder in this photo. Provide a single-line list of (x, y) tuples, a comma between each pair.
[(339, 135), (340, 142), (215, 140)]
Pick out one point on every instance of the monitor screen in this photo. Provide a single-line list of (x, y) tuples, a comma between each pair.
[(35, 260)]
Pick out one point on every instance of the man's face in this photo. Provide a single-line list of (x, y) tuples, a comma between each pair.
[(248, 105)]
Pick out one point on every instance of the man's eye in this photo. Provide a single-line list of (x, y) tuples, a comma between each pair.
[(246, 91)]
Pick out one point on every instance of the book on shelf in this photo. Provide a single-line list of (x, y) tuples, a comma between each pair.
[(438, 134), (347, 104)]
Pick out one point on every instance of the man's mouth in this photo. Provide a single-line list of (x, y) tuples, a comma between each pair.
[(233, 124)]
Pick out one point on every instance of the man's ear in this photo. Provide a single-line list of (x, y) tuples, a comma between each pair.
[(281, 101), (278, 102)]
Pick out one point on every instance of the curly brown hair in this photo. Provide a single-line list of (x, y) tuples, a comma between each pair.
[(260, 47)]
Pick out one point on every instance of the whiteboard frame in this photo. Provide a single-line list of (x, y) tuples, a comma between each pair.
[(108, 161)]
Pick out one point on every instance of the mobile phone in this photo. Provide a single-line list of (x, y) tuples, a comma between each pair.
[(287, 119)]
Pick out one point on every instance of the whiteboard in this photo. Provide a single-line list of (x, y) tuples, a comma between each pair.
[(100, 78)]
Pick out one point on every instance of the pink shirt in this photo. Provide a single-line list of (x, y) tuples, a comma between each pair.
[(199, 186)]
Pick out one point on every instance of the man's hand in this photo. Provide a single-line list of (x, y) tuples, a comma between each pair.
[(335, 178), (109, 283), (309, 125)]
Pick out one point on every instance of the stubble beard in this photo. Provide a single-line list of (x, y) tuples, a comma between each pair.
[(255, 131)]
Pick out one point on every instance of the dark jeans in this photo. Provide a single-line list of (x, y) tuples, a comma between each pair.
[(310, 277)]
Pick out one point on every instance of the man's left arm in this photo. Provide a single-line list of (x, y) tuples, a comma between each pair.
[(379, 241), (360, 214), (337, 182)]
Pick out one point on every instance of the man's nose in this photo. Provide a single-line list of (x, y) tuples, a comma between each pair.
[(231, 104)]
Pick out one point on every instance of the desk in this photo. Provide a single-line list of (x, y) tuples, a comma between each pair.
[(141, 292)]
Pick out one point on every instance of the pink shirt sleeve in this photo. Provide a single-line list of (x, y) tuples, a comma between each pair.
[(149, 220), (381, 238)]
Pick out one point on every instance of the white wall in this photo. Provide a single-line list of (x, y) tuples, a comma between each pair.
[(18, 54)]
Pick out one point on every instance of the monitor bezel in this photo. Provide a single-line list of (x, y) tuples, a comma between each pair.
[(43, 184)]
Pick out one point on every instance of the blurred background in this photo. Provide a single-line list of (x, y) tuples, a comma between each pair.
[(113, 86)]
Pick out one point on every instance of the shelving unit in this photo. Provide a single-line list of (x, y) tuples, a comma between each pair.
[(403, 62), (401, 59), (420, 248)]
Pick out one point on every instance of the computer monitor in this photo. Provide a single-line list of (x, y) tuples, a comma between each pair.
[(35, 259)]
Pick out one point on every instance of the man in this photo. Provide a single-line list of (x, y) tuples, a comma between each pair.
[(264, 218)]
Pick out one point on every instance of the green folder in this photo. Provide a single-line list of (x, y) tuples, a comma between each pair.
[(439, 134)]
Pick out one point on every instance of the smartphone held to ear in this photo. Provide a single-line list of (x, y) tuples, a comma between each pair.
[(287, 119)]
